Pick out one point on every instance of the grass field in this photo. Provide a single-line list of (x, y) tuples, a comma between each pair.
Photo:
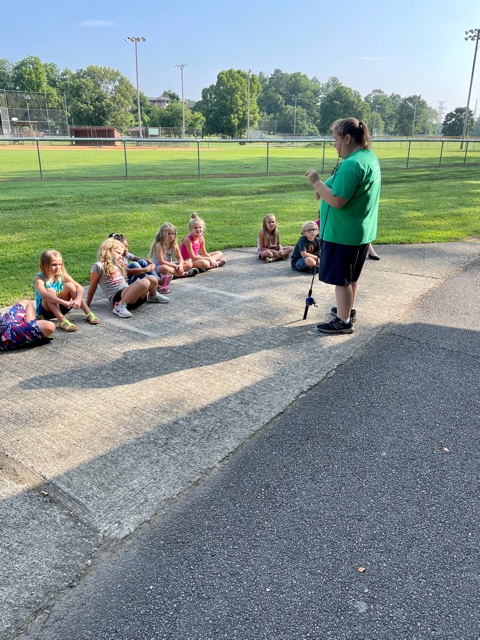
[(216, 158), (75, 217)]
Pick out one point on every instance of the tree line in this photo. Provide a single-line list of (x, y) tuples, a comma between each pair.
[(239, 101)]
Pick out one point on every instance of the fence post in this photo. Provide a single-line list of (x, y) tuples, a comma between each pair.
[(323, 158), (39, 161), (125, 156), (408, 153), (198, 157), (441, 153), (465, 156), (268, 155)]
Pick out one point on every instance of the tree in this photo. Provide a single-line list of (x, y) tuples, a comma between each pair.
[(6, 74), (375, 123), (303, 92), (30, 75), (476, 128), (455, 121), (101, 96), (330, 85), (270, 102), (412, 116), (295, 121), (282, 93), (381, 106), (171, 95), (229, 106), (342, 102)]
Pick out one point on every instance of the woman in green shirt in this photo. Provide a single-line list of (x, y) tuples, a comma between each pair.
[(348, 214)]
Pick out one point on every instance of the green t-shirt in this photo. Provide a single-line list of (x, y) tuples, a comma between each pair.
[(357, 179)]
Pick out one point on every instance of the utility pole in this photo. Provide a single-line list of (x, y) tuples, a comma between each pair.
[(248, 104), (136, 40), (471, 34), (182, 66)]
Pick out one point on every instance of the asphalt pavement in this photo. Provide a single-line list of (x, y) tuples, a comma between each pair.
[(112, 427)]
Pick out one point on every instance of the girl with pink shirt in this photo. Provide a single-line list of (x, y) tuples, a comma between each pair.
[(193, 247)]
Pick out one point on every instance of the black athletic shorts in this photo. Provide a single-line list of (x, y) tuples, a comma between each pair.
[(133, 305), (341, 264)]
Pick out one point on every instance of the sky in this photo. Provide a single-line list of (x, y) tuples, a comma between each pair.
[(410, 47)]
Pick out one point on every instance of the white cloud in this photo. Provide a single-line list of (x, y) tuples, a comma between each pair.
[(370, 59), (98, 24)]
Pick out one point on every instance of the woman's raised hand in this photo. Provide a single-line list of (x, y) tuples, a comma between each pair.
[(312, 176)]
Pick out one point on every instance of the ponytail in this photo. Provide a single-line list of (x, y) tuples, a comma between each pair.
[(358, 129)]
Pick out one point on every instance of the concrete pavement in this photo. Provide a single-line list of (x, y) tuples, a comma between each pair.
[(103, 428)]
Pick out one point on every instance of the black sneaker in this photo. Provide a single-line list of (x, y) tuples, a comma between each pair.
[(353, 313), (191, 272), (335, 326)]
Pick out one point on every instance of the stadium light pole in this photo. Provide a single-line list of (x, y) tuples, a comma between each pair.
[(415, 115), (248, 103), (27, 98), (471, 34), (295, 117), (136, 40), (182, 66)]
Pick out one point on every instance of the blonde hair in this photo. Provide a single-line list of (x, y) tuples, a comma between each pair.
[(307, 224), (46, 259), (106, 259), (161, 237), (266, 234), (195, 218)]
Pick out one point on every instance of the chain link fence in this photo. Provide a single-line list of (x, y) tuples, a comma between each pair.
[(29, 115), (65, 158)]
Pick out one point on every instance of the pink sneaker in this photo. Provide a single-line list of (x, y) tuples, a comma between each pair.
[(163, 284), (221, 262)]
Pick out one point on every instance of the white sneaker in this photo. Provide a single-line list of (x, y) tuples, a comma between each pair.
[(120, 309), (158, 298)]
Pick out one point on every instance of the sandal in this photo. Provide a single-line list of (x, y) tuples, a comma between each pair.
[(66, 325), (91, 318)]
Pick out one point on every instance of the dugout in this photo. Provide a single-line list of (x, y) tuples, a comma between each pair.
[(84, 135)]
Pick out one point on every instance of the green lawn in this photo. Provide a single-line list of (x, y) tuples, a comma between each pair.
[(211, 158), (425, 205)]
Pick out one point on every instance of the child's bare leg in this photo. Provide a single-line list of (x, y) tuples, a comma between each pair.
[(202, 263), (311, 262), (69, 292), (29, 309), (286, 251), (266, 253), (164, 269), (153, 281), (135, 291), (216, 255), (88, 312), (45, 326), (54, 309)]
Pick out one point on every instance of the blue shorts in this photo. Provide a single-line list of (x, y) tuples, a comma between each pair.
[(301, 265), (341, 264), (19, 333), (140, 264)]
